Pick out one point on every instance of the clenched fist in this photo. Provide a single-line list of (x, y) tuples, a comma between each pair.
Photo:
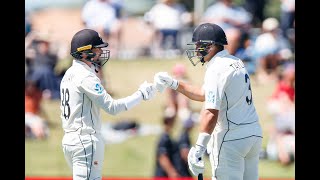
[(147, 90), (162, 79)]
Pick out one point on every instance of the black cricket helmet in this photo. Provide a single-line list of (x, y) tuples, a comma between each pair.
[(83, 42), (204, 35)]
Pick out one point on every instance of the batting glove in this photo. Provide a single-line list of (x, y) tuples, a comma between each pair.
[(147, 90), (159, 85), (195, 160), (166, 79)]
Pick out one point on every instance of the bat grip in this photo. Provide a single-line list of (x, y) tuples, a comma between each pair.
[(200, 176)]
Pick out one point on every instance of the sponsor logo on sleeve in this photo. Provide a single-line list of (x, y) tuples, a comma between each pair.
[(98, 88), (210, 97)]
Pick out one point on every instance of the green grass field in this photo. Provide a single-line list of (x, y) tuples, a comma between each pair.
[(136, 156)]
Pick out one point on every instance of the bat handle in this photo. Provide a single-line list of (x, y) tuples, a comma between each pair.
[(200, 176)]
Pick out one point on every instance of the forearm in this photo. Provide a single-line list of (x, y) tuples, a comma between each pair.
[(184, 154), (167, 166), (208, 120), (114, 107), (132, 100), (170, 97), (192, 92)]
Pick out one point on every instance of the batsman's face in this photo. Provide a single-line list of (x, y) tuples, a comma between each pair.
[(197, 46), (98, 53), (102, 55)]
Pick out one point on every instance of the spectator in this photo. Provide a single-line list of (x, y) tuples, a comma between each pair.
[(245, 53), (286, 83), (118, 7), (281, 106), (166, 151), (271, 50), (35, 118), (29, 51), (287, 16), (28, 24), (184, 145), (177, 104), (41, 63), (256, 9), (167, 17), (232, 18), (101, 16), (287, 21)]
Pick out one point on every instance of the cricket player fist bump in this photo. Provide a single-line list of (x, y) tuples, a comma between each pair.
[(163, 80), (195, 155)]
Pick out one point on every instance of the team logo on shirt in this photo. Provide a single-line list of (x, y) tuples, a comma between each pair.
[(210, 97), (98, 88)]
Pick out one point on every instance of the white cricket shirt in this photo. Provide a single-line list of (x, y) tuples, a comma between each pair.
[(227, 88), (82, 95)]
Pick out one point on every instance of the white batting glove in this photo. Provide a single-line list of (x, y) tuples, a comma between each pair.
[(166, 79), (195, 160), (159, 85), (147, 90)]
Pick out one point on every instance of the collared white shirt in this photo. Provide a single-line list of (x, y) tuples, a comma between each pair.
[(227, 88)]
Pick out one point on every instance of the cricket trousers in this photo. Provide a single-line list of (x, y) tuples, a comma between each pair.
[(84, 155), (236, 159)]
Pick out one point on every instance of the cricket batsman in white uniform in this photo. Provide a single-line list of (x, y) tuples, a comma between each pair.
[(229, 125), (82, 96)]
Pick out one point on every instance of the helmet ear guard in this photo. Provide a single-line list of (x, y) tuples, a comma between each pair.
[(76, 55)]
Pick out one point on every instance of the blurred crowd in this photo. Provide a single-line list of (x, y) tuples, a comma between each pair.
[(266, 44)]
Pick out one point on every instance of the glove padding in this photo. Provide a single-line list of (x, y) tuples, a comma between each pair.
[(147, 90), (195, 160), (163, 78)]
